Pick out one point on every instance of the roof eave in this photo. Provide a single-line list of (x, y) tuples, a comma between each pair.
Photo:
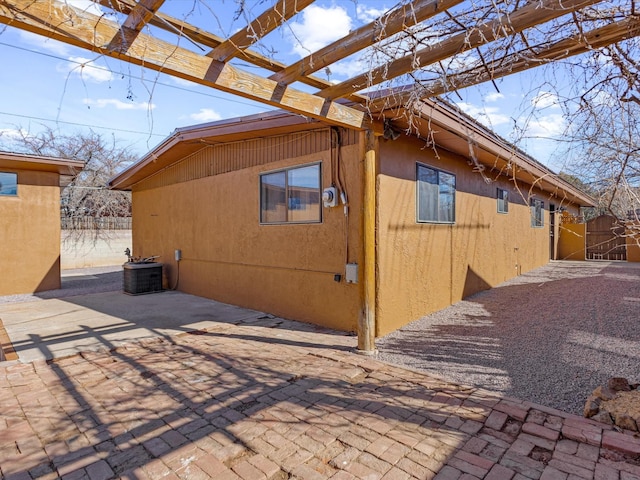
[(220, 131), (27, 161)]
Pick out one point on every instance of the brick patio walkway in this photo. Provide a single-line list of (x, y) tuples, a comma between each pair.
[(274, 400)]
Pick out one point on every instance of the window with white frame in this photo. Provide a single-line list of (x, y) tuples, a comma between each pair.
[(8, 184), (503, 200), (537, 213), (436, 195), (291, 195)]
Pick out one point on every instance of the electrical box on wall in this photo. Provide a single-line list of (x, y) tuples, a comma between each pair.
[(351, 273), (330, 197)]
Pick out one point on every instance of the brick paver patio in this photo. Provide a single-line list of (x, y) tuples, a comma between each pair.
[(273, 400)]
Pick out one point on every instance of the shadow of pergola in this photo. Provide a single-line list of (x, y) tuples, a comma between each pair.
[(201, 403)]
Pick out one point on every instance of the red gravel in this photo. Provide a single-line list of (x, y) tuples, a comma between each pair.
[(549, 336)]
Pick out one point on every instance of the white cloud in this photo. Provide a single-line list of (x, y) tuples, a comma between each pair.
[(350, 68), (86, 69), (118, 104), (493, 97), (369, 14), (602, 98), (545, 100), (85, 5), (205, 115), (489, 116), (546, 126), (12, 134), (318, 28)]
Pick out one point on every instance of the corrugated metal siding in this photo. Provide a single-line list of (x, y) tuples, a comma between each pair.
[(218, 159)]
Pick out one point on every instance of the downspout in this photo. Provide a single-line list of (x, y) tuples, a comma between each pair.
[(367, 320)]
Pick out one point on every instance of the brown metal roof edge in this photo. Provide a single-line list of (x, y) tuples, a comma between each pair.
[(61, 165), (452, 118), (252, 125)]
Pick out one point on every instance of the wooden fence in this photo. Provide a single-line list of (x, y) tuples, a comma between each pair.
[(95, 223)]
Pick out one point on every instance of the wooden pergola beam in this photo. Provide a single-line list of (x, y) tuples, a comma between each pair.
[(258, 28), (391, 23), (517, 62), (202, 37), (532, 14), (138, 17), (142, 13), (55, 19)]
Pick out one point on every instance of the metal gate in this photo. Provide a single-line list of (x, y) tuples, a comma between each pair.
[(605, 239)]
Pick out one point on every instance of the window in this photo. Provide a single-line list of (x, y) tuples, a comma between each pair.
[(436, 195), (291, 196), (503, 200), (537, 213), (8, 184)]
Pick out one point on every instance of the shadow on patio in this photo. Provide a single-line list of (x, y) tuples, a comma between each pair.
[(249, 400)]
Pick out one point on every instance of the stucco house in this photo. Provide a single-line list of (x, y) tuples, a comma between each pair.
[(328, 225), (30, 220)]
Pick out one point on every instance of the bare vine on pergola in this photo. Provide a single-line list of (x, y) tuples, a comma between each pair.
[(442, 44), (416, 51)]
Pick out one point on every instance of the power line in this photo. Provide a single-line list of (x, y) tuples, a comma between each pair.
[(98, 67), (81, 124), (129, 75)]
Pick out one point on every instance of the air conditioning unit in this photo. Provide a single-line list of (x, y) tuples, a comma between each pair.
[(139, 278)]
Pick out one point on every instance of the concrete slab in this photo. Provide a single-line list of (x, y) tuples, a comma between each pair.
[(60, 327)]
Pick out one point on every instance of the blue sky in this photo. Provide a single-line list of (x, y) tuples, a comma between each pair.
[(45, 82)]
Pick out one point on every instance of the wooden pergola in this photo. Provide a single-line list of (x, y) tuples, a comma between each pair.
[(504, 39), (424, 48)]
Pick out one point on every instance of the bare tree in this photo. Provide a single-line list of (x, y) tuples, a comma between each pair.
[(603, 134)]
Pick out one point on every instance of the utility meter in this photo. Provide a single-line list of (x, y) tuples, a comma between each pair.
[(330, 197)]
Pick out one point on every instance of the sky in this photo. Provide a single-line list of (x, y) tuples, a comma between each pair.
[(47, 83)]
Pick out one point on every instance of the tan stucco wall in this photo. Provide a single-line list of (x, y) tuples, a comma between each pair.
[(287, 270), (426, 267), (208, 207), (30, 234), (572, 241)]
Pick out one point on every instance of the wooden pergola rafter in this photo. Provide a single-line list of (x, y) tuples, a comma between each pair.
[(520, 61), (258, 28), (347, 103)]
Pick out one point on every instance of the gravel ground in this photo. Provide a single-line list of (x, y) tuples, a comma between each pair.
[(76, 282), (549, 336)]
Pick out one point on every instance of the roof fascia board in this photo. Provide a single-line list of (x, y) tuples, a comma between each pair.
[(254, 125), (119, 181), (32, 162)]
